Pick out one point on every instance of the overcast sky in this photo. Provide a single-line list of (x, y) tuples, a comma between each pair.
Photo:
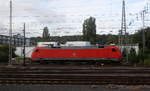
[(65, 17)]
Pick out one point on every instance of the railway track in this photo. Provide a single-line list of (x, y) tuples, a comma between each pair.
[(32, 75)]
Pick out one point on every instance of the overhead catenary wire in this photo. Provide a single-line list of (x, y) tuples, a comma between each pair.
[(80, 15)]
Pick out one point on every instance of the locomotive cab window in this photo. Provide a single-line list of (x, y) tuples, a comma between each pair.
[(36, 50), (114, 50)]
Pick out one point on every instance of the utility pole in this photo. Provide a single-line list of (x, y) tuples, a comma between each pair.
[(122, 32), (123, 25), (143, 32), (24, 44), (123, 40), (10, 35)]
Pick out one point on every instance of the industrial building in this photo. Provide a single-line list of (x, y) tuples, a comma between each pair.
[(17, 40)]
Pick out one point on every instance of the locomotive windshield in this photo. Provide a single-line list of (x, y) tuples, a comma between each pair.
[(114, 50)]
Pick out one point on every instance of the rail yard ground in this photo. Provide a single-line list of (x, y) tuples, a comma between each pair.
[(73, 78), (74, 88), (74, 75)]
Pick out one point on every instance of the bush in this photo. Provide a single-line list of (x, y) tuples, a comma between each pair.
[(133, 57), (124, 55), (143, 56), (4, 54), (147, 61)]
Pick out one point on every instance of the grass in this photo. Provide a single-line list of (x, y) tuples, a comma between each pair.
[(147, 61)]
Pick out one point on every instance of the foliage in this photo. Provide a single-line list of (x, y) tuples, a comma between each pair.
[(137, 37), (111, 39), (62, 39), (147, 61), (124, 55), (133, 57), (89, 30), (100, 39), (4, 53), (124, 52), (144, 57), (46, 34)]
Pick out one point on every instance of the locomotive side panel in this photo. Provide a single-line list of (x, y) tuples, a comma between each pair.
[(74, 54)]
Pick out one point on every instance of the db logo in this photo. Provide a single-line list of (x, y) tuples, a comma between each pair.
[(73, 54)]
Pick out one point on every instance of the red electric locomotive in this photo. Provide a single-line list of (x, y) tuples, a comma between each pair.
[(77, 53)]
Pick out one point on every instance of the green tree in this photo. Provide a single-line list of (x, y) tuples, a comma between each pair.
[(89, 30), (137, 37), (111, 39), (141, 56), (46, 34)]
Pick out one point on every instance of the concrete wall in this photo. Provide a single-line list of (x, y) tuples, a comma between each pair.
[(19, 51), (129, 46)]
